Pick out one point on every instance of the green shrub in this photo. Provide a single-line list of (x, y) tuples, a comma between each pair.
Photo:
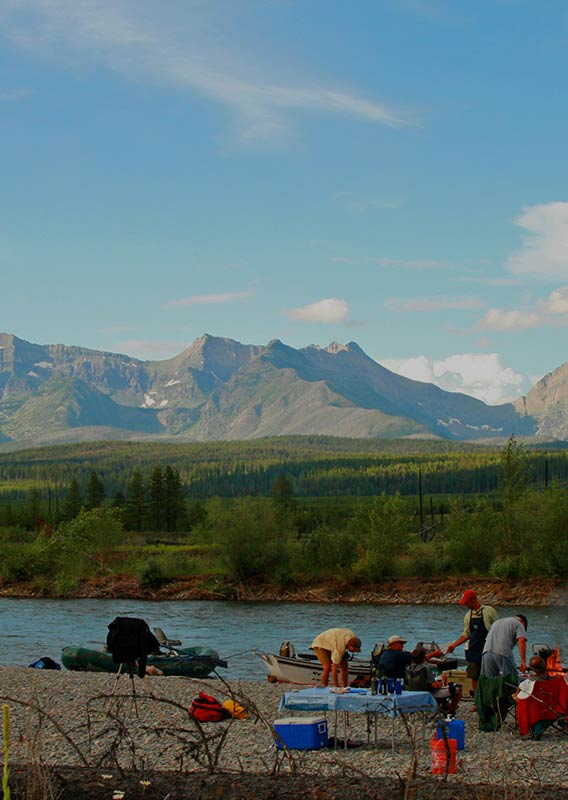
[(150, 574), (88, 542), (251, 540), (22, 562), (424, 560), (328, 550), (514, 566), (66, 584)]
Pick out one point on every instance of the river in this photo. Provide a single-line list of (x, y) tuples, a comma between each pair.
[(33, 628)]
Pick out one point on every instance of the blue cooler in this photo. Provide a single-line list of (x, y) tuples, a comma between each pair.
[(301, 733), (454, 729)]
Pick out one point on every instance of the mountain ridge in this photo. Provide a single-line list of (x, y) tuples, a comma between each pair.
[(219, 388)]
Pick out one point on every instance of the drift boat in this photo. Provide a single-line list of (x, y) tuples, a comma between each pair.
[(304, 668)]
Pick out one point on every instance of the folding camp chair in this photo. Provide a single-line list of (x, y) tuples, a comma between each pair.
[(545, 707), (494, 700)]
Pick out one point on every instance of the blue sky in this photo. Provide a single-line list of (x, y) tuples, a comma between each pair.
[(392, 172)]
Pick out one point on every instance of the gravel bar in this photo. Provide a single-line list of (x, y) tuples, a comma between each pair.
[(95, 721)]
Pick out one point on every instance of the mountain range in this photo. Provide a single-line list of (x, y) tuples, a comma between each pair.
[(221, 389)]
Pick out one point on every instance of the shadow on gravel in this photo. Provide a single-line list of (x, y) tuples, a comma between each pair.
[(89, 784)]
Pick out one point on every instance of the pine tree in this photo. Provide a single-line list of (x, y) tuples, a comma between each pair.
[(173, 498), (156, 499), (73, 501), (119, 500), (136, 506), (95, 492)]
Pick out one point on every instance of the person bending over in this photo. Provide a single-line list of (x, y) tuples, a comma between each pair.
[(331, 648)]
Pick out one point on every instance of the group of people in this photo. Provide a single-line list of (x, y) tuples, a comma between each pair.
[(490, 643)]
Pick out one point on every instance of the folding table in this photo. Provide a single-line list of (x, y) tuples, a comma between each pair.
[(358, 701)]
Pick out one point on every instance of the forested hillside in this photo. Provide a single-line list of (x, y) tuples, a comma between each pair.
[(317, 466), (281, 511)]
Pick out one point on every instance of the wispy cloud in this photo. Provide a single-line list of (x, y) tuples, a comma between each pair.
[(486, 280), (481, 375), (419, 263), (205, 299), (353, 204), (497, 319), (428, 304), (330, 309), (550, 312), (186, 48), (544, 250), (13, 95), (395, 263)]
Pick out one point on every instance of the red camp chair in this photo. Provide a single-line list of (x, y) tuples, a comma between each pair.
[(546, 706)]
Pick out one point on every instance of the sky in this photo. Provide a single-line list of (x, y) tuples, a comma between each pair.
[(389, 172)]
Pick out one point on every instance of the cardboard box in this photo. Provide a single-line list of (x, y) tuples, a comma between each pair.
[(301, 733)]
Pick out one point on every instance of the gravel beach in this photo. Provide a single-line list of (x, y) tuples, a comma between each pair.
[(71, 721)]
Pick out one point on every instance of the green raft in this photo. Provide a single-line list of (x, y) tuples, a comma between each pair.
[(191, 662)]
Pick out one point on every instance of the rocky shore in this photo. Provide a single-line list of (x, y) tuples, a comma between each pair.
[(93, 736), (525, 592)]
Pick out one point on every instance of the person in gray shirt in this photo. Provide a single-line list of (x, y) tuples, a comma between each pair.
[(503, 635)]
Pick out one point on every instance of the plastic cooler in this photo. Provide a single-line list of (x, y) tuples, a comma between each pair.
[(301, 733), (452, 729)]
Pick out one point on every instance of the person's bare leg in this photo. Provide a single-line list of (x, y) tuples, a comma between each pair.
[(324, 657)]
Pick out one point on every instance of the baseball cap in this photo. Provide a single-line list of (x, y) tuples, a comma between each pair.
[(468, 595), (393, 639)]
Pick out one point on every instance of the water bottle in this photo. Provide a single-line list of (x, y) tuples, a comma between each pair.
[(374, 681)]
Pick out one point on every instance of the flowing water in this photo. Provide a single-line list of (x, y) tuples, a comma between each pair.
[(33, 628)]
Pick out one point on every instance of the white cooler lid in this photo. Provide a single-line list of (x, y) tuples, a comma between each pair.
[(299, 721)]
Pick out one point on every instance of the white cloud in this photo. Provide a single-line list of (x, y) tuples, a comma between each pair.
[(496, 319), (544, 251), (435, 304), (186, 48), (557, 302), (550, 312), (478, 374), (330, 309), (204, 299)]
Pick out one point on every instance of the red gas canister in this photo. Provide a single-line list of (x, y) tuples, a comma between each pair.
[(443, 756)]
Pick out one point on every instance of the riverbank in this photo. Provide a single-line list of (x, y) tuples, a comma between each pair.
[(87, 735), (438, 591)]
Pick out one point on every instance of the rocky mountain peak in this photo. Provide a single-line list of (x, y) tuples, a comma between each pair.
[(219, 388)]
